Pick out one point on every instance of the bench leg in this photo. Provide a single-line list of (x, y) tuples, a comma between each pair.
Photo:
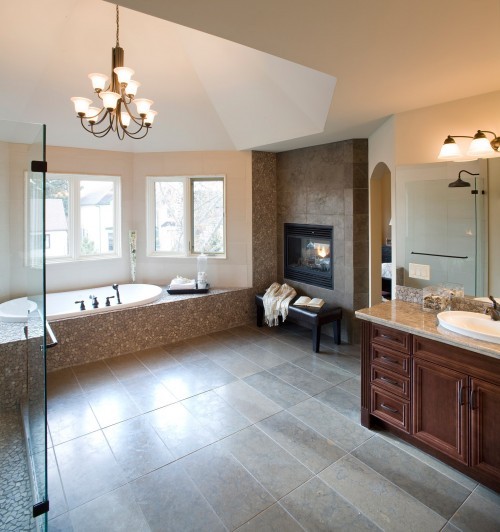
[(260, 316), (316, 335), (336, 332)]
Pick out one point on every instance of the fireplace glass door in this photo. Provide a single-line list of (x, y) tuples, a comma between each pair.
[(309, 254)]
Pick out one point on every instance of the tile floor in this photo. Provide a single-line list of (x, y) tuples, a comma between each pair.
[(244, 429)]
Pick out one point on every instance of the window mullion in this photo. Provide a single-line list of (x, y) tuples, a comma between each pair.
[(187, 215)]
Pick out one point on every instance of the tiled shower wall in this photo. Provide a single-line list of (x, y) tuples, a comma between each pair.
[(328, 185)]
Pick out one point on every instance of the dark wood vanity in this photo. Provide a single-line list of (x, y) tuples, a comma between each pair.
[(442, 398)]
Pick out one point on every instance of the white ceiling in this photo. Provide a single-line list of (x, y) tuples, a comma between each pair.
[(387, 56)]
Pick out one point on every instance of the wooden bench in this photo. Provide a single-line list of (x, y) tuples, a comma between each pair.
[(309, 317)]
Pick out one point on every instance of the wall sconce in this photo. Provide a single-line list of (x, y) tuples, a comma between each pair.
[(480, 146)]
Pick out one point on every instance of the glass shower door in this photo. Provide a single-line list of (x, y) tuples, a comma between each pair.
[(34, 406)]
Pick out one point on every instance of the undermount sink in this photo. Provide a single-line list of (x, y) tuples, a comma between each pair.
[(471, 324)]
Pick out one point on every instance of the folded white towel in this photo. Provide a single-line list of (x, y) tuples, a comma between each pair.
[(183, 286)]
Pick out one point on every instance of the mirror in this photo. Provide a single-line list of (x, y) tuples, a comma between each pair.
[(442, 232)]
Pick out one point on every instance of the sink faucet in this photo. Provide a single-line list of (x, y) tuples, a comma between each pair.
[(115, 287), (495, 311)]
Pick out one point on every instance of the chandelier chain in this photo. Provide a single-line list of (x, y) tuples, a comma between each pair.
[(117, 27)]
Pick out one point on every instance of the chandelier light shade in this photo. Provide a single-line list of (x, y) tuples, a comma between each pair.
[(116, 93), (480, 147)]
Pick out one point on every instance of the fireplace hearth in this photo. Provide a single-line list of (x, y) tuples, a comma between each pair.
[(308, 254)]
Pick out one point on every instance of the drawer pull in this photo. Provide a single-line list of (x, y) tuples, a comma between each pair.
[(389, 359), (389, 408), (390, 381), (388, 337)]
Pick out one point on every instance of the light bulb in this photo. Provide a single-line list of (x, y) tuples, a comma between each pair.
[(150, 116), (480, 146), (125, 119), (132, 87), (98, 81), (81, 105), (143, 106), (124, 74), (450, 150), (109, 99)]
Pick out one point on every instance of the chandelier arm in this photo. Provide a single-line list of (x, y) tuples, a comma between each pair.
[(132, 135), (460, 136), (98, 134)]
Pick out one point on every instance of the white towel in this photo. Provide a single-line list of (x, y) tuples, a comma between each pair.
[(276, 301), (181, 283)]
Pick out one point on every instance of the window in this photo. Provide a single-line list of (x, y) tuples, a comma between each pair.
[(186, 215), (82, 217)]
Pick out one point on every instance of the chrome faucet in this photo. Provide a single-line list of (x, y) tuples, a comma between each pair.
[(495, 311), (115, 287)]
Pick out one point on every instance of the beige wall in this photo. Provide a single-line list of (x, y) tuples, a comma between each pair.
[(4, 221), (234, 271)]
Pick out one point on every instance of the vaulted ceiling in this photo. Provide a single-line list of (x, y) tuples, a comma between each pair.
[(376, 57)]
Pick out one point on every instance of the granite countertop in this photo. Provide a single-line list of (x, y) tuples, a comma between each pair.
[(411, 318)]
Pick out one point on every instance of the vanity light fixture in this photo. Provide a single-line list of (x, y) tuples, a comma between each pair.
[(480, 146), (116, 113)]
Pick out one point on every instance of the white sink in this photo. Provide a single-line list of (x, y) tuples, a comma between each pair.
[(471, 324)]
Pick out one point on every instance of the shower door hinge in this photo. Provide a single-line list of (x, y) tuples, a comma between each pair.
[(40, 508), (474, 191), (39, 166)]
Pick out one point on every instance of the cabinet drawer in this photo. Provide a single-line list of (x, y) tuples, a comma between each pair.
[(391, 360), (392, 382), (393, 338), (390, 408)]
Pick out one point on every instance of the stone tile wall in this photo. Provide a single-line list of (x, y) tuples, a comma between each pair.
[(328, 185)]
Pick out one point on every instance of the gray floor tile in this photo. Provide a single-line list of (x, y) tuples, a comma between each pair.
[(281, 349), (352, 386), (258, 355), (181, 508), (426, 484), (318, 508), (323, 369), (127, 367), (62, 383), (156, 359), (181, 432), (274, 519), (277, 470), (301, 379), (183, 351), (148, 393), (343, 402), (111, 405), (94, 375), (306, 445), (216, 414), (478, 514), (336, 427), (248, 401), (489, 494), (379, 499), (345, 362), (58, 504), (117, 511), (229, 339), (69, 417), (232, 492), (61, 523), (137, 447), (88, 468), (231, 361), (252, 334), (275, 389)]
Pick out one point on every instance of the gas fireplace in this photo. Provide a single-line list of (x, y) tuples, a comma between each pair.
[(308, 254)]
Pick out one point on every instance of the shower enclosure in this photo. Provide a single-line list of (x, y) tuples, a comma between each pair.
[(445, 228), (22, 278)]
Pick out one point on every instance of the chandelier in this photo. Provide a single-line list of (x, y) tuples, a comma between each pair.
[(116, 113)]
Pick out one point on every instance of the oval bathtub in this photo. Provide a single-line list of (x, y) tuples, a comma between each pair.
[(62, 304), (17, 310)]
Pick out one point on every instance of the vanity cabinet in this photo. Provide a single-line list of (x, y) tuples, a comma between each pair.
[(443, 399)]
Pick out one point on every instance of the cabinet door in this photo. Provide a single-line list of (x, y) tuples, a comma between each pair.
[(485, 423), (440, 416)]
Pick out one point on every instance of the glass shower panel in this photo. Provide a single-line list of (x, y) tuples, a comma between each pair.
[(442, 233), (34, 406)]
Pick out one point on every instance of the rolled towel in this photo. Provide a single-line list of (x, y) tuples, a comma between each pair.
[(181, 283)]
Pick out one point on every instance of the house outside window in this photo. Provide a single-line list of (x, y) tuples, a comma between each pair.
[(82, 217), (186, 216)]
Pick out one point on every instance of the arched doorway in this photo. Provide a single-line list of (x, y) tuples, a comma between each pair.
[(380, 232)]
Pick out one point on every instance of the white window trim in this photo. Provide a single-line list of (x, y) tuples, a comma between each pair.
[(74, 229), (188, 215)]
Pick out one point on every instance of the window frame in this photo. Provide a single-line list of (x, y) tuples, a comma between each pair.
[(187, 181), (74, 217)]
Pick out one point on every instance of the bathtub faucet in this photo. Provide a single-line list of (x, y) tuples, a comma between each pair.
[(108, 302), (95, 303), (82, 304), (115, 287)]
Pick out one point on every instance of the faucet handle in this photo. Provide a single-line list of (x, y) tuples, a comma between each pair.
[(107, 300), (494, 301), (82, 304)]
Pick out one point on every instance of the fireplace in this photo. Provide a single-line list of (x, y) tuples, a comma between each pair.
[(308, 254)]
